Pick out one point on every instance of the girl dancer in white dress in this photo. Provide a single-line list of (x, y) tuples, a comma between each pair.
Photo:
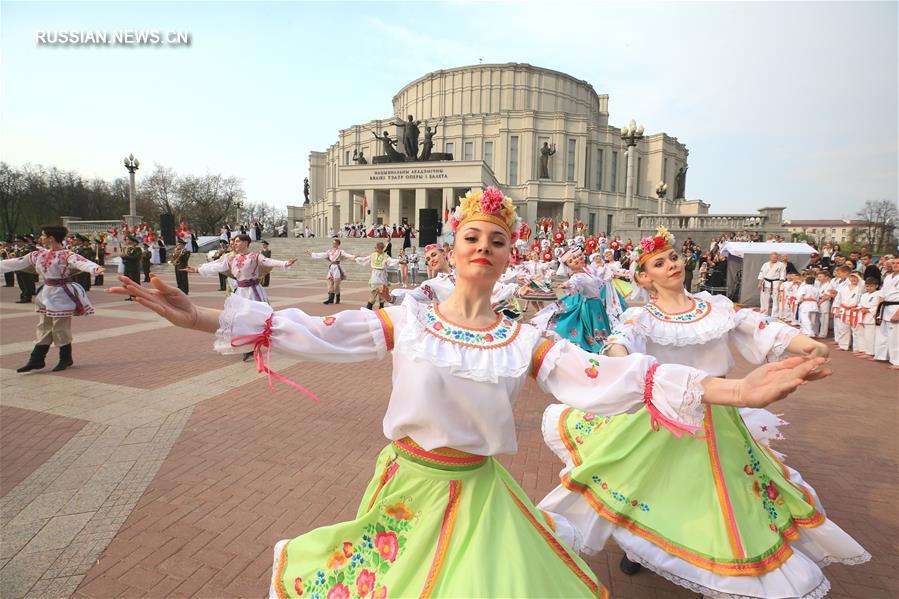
[(713, 510)]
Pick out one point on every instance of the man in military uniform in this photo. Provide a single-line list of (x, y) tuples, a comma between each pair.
[(223, 249), (26, 280), (145, 256), (99, 253), (7, 251), (268, 254), (131, 257), (179, 259), (84, 250)]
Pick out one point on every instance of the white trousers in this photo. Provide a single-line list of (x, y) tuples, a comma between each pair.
[(769, 295), (808, 320), (842, 333), (886, 342), (823, 319), (863, 338)]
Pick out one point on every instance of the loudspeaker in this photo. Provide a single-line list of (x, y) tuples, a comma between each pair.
[(167, 226), (427, 226)]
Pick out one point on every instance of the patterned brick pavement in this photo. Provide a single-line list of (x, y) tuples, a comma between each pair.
[(157, 468)]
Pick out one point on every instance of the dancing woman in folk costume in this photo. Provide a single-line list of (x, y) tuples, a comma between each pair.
[(713, 510), (379, 286), (442, 285), (335, 271), (580, 316), (535, 278), (441, 517), (58, 299), (244, 266)]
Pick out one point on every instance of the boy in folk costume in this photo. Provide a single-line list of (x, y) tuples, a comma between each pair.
[(59, 297), (336, 273), (378, 283), (770, 277), (886, 335), (826, 291), (807, 306), (844, 308), (863, 332)]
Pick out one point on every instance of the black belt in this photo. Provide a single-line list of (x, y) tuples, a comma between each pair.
[(878, 316)]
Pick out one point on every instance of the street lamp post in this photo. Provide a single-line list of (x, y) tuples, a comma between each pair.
[(630, 135), (661, 192), (132, 164)]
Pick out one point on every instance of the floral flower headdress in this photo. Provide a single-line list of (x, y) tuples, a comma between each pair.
[(489, 206), (651, 246)]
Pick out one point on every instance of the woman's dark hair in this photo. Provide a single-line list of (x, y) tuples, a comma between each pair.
[(57, 232), (242, 237)]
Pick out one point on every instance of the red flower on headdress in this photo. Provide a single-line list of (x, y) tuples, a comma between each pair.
[(659, 241), (491, 200)]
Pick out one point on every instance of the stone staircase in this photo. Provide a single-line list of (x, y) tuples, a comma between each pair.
[(284, 248)]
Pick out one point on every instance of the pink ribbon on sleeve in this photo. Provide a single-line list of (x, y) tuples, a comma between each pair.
[(263, 340), (678, 429)]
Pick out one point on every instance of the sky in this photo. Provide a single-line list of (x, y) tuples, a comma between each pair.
[(779, 104)]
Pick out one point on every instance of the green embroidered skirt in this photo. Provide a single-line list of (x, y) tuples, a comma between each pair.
[(442, 524), (718, 514)]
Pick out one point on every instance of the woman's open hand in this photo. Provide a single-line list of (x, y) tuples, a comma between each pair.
[(775, 381), (169, 302)]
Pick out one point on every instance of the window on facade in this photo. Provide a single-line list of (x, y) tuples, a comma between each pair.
[(448, 147), (572, 146), (598, 183), (639, 173), (665, 170), (513, 160), (468, 150), (587, 177), (608, 224), (347, 157), (591, 223), (614, 174), (488, 153)]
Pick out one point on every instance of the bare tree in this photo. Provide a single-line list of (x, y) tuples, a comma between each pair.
[(12, 187), (158, 193), (209, 201), (879, 221)]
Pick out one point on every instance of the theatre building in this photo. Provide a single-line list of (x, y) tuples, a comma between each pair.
[(542, 136)]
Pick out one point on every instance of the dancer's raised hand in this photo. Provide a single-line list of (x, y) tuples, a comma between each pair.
[(775, 381), (170, 303)]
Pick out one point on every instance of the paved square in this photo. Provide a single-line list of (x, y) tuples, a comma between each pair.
[(155, 467)]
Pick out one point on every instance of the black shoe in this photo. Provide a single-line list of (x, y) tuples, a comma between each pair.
[(330, 299), (381, 305), (337, 299), (65, 358), (247, 356), (24, 301), (36, 361), (369, 305), (628, 567), (129, 299)]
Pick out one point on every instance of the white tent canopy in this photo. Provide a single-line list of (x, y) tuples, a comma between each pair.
[(745, 259), (740, 248)]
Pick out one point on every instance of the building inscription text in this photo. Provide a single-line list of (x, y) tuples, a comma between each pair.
[(408, 174)]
